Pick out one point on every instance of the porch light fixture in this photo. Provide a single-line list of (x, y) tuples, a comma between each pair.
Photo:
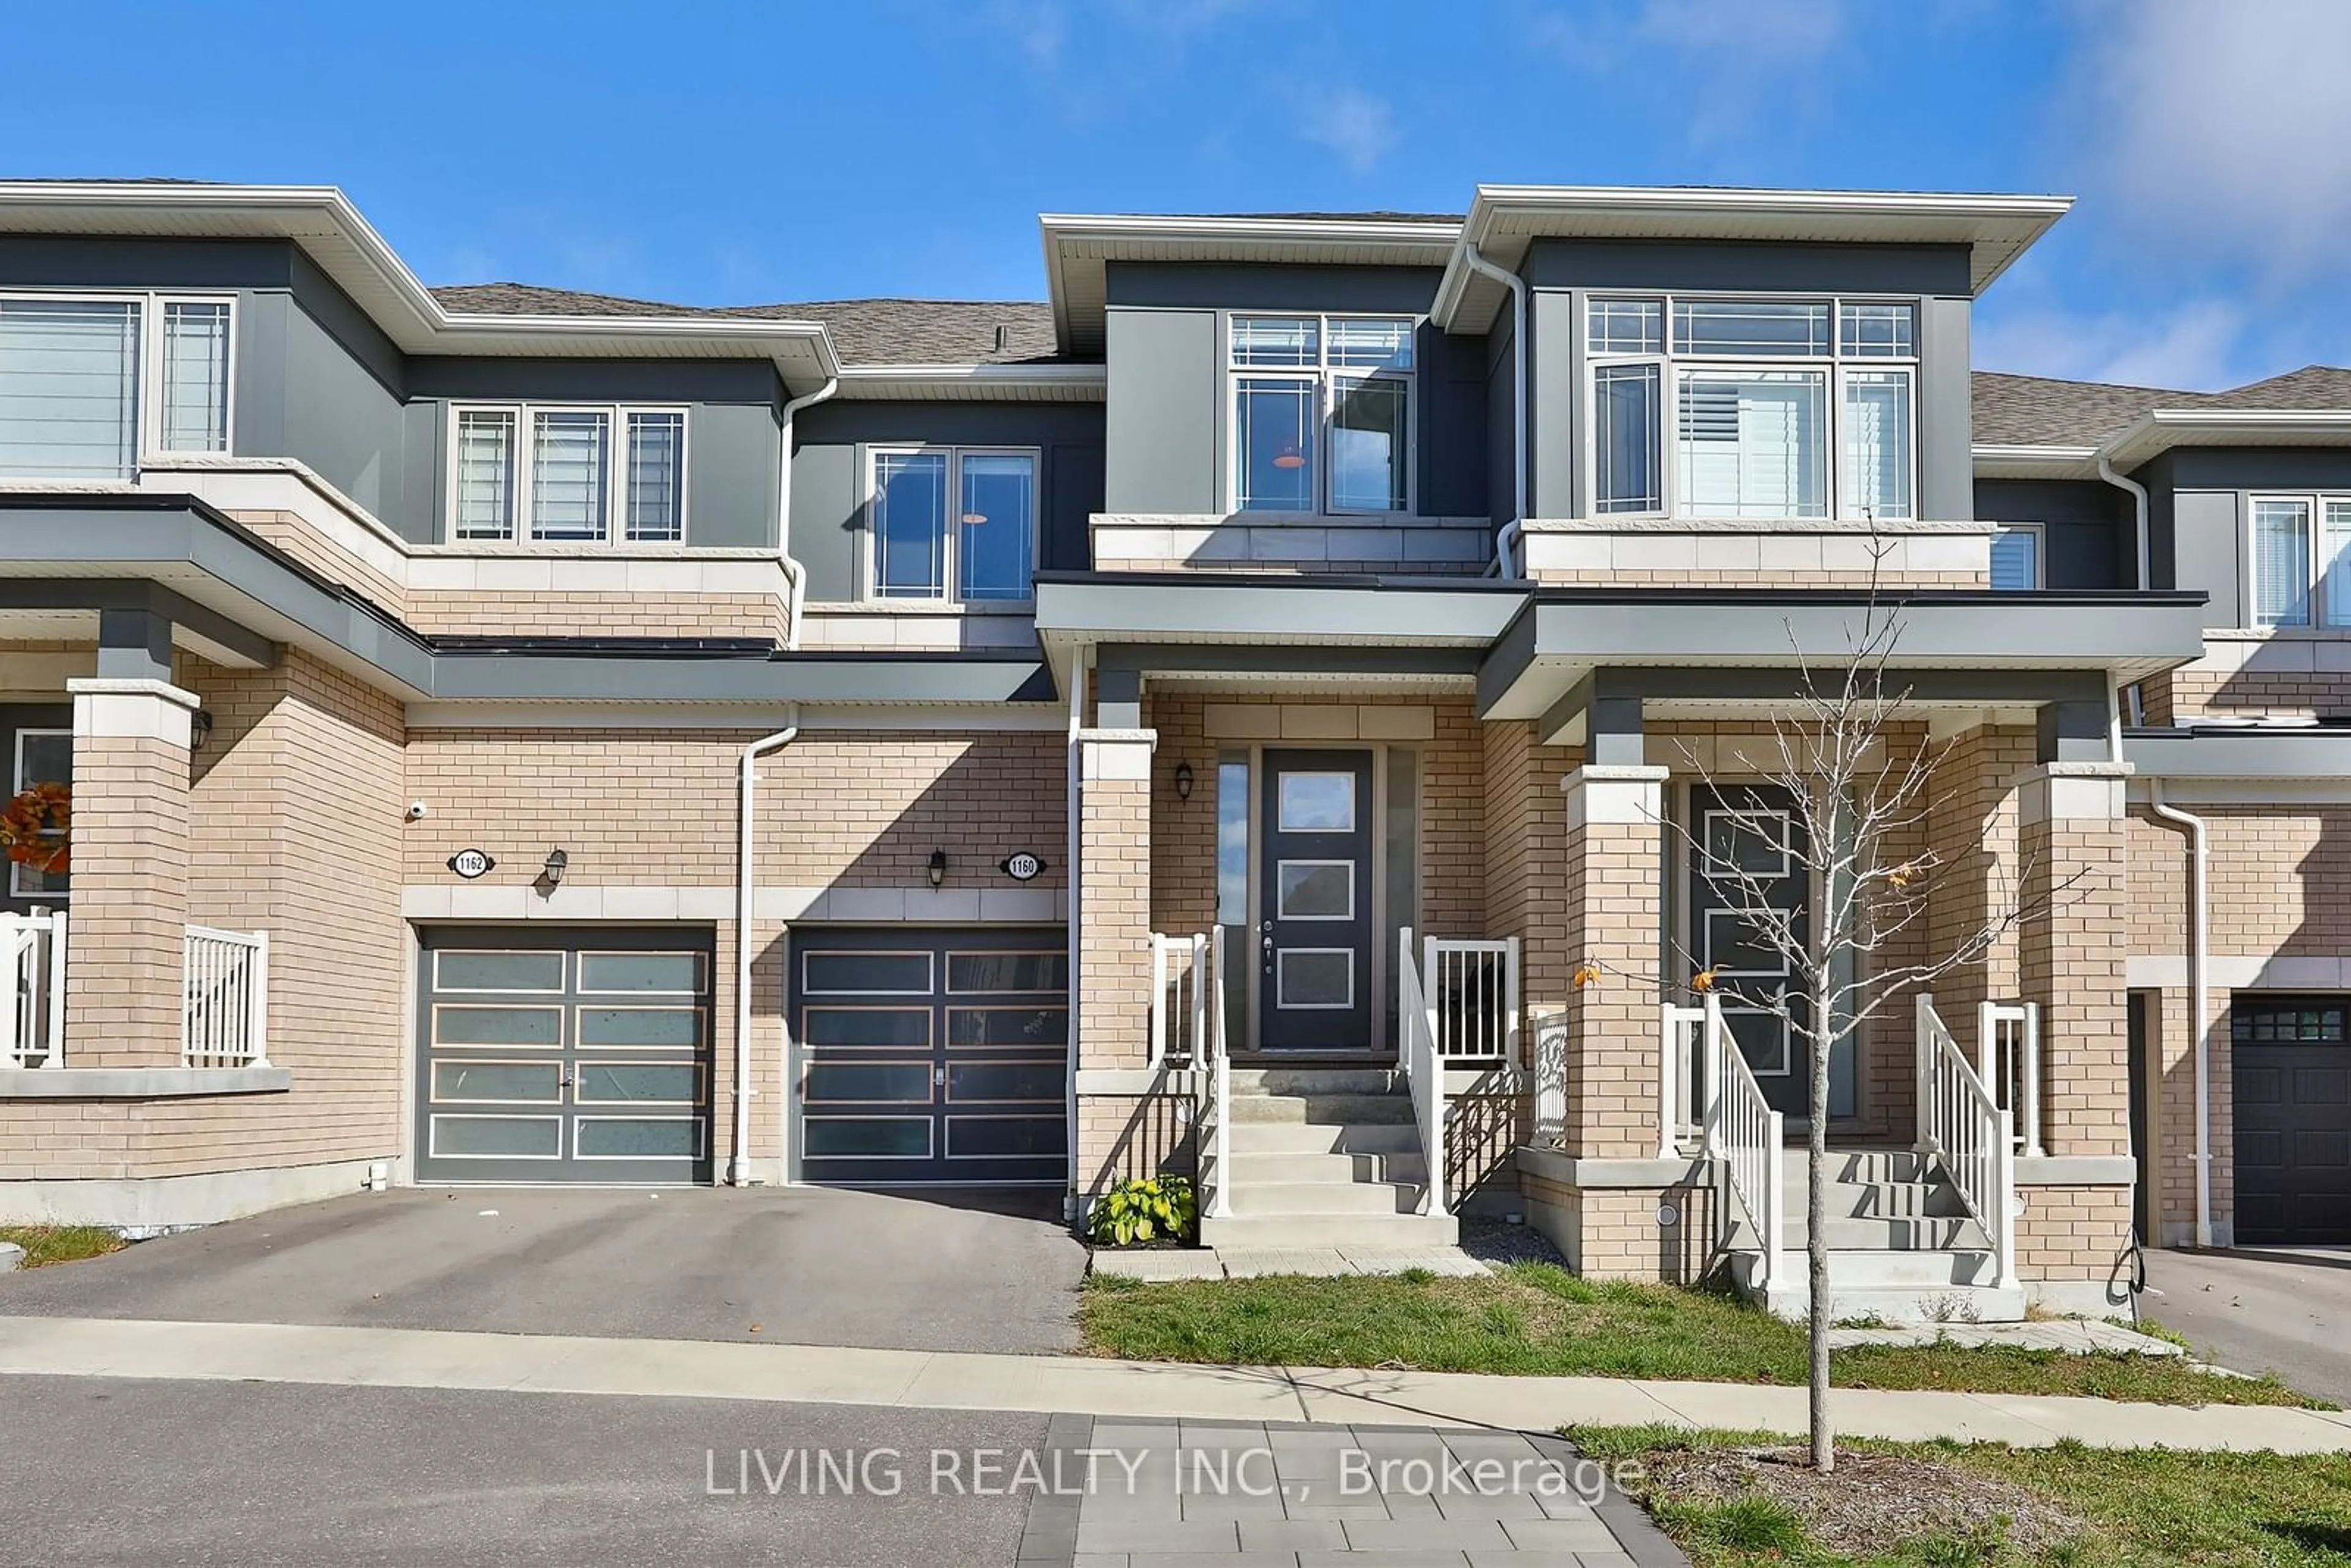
[(557, 862), (1183, 781), (939, 867), (200, 729)]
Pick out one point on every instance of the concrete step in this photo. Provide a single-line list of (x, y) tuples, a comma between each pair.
[(1365, 1230), (1865, 1166), (1299, 1199), (1251, 1138), (1887, 1269), (1317, 1081), (1257, 1166), (1885, 1199), (1322, 1110), (1898, 1233)]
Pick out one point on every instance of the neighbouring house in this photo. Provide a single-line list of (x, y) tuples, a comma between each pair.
[(1202, 721)]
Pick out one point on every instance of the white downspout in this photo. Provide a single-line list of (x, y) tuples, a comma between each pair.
[(2138, 500), (1070, 881), (2199, 989), (738, 1168), (795, 574), (1508, 539)]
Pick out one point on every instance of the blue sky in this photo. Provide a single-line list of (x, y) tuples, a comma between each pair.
[(747, 153)]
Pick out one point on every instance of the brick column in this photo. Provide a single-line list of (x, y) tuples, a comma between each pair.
[(1111, 901), (2070, 951), (1615, 840), (130, 898)]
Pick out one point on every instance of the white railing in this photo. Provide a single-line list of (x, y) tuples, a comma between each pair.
[(1682, 1079), (1964, 1128), (1474, 986), (1748, 1137), (226, 1003), (2008, 1058), (33, 958), (1216, 1194), (1424, 1066), (1179, 999)]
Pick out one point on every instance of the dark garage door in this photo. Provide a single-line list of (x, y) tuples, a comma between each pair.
[(932, 1058), (563, 1055), (2292, 1080)]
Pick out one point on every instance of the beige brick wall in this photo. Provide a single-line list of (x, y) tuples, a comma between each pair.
[(1123, 1137), (303, 541), (130, 901), (1114, 929), (476, 612), (1614, 1233), (2070, 954), (1889, 581), (1611, 890), (2072, 1232)]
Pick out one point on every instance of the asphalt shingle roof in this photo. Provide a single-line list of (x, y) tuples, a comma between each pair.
[(2036, 410)]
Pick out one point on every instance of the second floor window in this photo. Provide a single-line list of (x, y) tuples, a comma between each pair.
[(88, 385), (1752, 408), (2016, 557), (955, 524), (1322, 414), (568, 475), (2301, 560)]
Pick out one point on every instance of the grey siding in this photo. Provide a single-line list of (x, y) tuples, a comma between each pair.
[(1453, 449), (829, 465), (2088, 527), (1555, 406), (1160, 442), (1730, 264), (1502, 393), (2208, 550), (1946, 419)]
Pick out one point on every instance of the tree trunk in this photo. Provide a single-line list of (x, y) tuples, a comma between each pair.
[(1817, 1240)]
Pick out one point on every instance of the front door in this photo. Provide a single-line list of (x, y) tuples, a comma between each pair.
[(1314, 903), (1748, 839)]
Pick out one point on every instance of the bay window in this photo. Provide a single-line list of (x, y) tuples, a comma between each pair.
[(568, 475), (1322, 412), (89, 384), (954, 524), (2301, 558), (1782, 408)]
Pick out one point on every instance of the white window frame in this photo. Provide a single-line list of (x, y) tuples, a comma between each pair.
[(2323, 616), (2039, 534), (1835, 364), (151, 304), (1326, 378), (951, 568), (616, 471), (17, 784)]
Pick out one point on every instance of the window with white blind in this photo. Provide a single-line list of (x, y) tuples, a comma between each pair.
[(89, 384), (2016, 551), (568, 475), (2300, 560), (1780, 408), (1322, 414)]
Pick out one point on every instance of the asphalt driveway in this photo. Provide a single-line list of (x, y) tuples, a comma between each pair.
[(800, 1265), (2283, 1309)]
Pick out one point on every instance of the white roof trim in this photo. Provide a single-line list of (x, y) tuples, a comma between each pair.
[(1503, 218), (2159, 430), (344, 246), (1997, 460)]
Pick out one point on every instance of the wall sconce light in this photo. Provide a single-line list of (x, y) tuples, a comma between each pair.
[(939, 867), (200, 729), (557, 862), (1183, 781)]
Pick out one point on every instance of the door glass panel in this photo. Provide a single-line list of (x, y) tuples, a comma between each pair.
[(1001, 972), (988, 1026), (848, 974), (1762, 1039), (1004, 1137), (970, 1080), (459, 1025), (1315, 978), (1755, 842), (637, 1137), (1317, 803), (1316, 890), (1735, 945), (603, 1027), (907, 1082), (667, 1083), (498, 1137), (479, 1083), (457, 970), (863, 1027), (867, 1137), (678, 974)]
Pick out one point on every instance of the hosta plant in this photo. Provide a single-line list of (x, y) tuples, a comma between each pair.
[(1146, 1208)]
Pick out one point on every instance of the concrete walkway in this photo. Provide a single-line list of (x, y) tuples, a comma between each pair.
[(943, 1380)]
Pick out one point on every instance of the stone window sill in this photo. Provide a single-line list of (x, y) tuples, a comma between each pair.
[(140, 1083)]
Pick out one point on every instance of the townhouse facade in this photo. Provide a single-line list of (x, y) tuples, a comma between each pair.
[(1260, 713)]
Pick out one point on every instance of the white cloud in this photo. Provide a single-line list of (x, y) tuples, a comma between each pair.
[(2223, 127), (1354, 124), (1718, 70), (1754, 32), (2197, 346)]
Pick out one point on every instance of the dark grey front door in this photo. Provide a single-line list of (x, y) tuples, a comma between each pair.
[(1752, 828), (563, 1055), (1314, 903)]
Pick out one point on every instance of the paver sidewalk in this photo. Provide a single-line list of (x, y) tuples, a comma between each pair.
[(420, 1358)]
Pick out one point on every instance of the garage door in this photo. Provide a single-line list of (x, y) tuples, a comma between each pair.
[(932, 1058), (563, 1055), (2293, 1079)]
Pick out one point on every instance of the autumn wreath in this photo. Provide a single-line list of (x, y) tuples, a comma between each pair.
[(35, 828)]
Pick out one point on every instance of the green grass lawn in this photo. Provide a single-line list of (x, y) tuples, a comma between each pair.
[(1536, 1318), (46, 1244), (1947, 1505)]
